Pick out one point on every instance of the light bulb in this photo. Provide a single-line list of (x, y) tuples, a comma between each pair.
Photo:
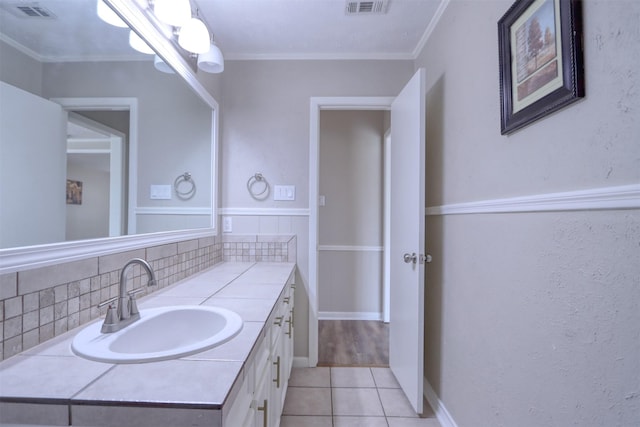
[(172, 12), (194, 36)]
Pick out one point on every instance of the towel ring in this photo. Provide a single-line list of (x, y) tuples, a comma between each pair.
[(189, 185), (253, 181)]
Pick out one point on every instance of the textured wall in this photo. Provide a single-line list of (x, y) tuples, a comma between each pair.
[(533, 319)]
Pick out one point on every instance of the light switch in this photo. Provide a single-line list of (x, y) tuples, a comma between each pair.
[(160, 192), (284, 192), (227, 224), (322, 200)]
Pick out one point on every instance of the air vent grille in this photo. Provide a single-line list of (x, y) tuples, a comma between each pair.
[(366, 7), (29, 10)]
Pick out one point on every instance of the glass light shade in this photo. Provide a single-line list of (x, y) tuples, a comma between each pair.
[(162, 66), (138, 44), (172, 12), (212, 61), (194, 36), (109, 16)]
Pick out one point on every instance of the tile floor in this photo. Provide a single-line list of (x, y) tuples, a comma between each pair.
[(349, 397)]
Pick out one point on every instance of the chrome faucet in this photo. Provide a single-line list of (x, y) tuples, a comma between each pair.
[(126, 311)]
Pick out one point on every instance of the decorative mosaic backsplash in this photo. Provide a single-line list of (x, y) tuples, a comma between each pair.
[(39, 304)]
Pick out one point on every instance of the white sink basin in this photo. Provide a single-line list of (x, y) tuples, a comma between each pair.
[(160, 334)]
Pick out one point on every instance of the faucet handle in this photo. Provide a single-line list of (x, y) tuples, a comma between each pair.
[(107, 302), (133, 306)]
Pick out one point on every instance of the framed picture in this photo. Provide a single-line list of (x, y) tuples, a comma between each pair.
[(541, 60), (74, 192)]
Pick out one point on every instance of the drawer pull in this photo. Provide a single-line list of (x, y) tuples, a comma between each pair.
[(290, 322), (286, 300), (277, 379), (278, 321), (265, 416)]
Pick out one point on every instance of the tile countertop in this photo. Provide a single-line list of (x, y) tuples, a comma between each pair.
[(50, 378)]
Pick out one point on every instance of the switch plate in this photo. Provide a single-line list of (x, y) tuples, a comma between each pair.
[(322, 200), (284, 192), (227, 224), (160, 192)]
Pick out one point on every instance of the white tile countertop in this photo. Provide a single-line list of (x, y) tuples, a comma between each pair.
[(51, 385)]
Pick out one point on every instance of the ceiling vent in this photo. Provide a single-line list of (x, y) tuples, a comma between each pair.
[(365, 7), (29, 10)]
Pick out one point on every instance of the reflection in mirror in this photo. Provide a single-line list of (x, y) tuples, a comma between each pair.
[(68, 82)]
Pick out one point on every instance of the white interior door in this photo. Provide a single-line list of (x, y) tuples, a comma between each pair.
[(406, 328)]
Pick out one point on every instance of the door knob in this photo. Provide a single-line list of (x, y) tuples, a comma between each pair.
[(410, 258)]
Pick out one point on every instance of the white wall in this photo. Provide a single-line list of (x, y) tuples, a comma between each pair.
[(350, 223), (532, 319), (265, 128), (32, 194)]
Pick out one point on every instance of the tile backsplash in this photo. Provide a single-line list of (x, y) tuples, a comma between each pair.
[(39, 304)]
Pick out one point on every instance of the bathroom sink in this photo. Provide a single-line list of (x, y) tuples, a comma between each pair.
[(160, 334)]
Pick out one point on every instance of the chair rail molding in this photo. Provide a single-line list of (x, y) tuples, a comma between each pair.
[(605, 198)]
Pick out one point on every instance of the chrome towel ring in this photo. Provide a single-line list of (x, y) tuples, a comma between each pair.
[(256, 190), (185, 186)]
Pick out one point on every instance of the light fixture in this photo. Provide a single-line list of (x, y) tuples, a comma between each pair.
[(109, 16), (138, 44), (194, 36), (172, 12), (211, 61), (162, 66)]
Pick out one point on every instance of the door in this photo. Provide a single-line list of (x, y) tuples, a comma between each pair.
[(406, 327)]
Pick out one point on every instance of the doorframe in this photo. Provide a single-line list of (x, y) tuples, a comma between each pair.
[(316, 105), (116, 104), (116, 140)]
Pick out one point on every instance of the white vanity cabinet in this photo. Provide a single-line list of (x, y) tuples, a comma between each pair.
[(260, 400)]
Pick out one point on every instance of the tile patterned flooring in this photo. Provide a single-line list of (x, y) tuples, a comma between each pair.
[(349, 397)]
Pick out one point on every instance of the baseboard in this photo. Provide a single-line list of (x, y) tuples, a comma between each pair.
[(301, 362), (443, 416), (349, 315)]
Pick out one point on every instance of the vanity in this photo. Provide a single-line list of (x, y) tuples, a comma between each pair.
[(239, 383)]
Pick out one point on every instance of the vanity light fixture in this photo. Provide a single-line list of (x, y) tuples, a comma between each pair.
[(109, 16), (211, 61), (138, 44), (194, 36)]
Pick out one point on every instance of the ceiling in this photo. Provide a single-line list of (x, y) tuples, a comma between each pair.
[(243, 29)]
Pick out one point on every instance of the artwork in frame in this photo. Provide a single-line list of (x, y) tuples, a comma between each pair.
[(541, 60), (74, 192)]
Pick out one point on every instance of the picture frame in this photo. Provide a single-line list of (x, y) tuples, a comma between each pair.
[(74, 192), (541, 60)]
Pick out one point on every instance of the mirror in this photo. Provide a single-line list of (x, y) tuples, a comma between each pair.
[(58, 53)]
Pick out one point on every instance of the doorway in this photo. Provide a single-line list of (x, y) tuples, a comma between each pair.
[(406, 246), (319, 105), (351, 238), (96, 159)]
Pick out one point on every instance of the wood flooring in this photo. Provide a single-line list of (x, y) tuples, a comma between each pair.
[(353, 343)]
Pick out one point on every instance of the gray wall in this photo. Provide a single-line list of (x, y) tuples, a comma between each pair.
[(350, 260), (90, 219), (265, 128), (20, 70), (532, 319)]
